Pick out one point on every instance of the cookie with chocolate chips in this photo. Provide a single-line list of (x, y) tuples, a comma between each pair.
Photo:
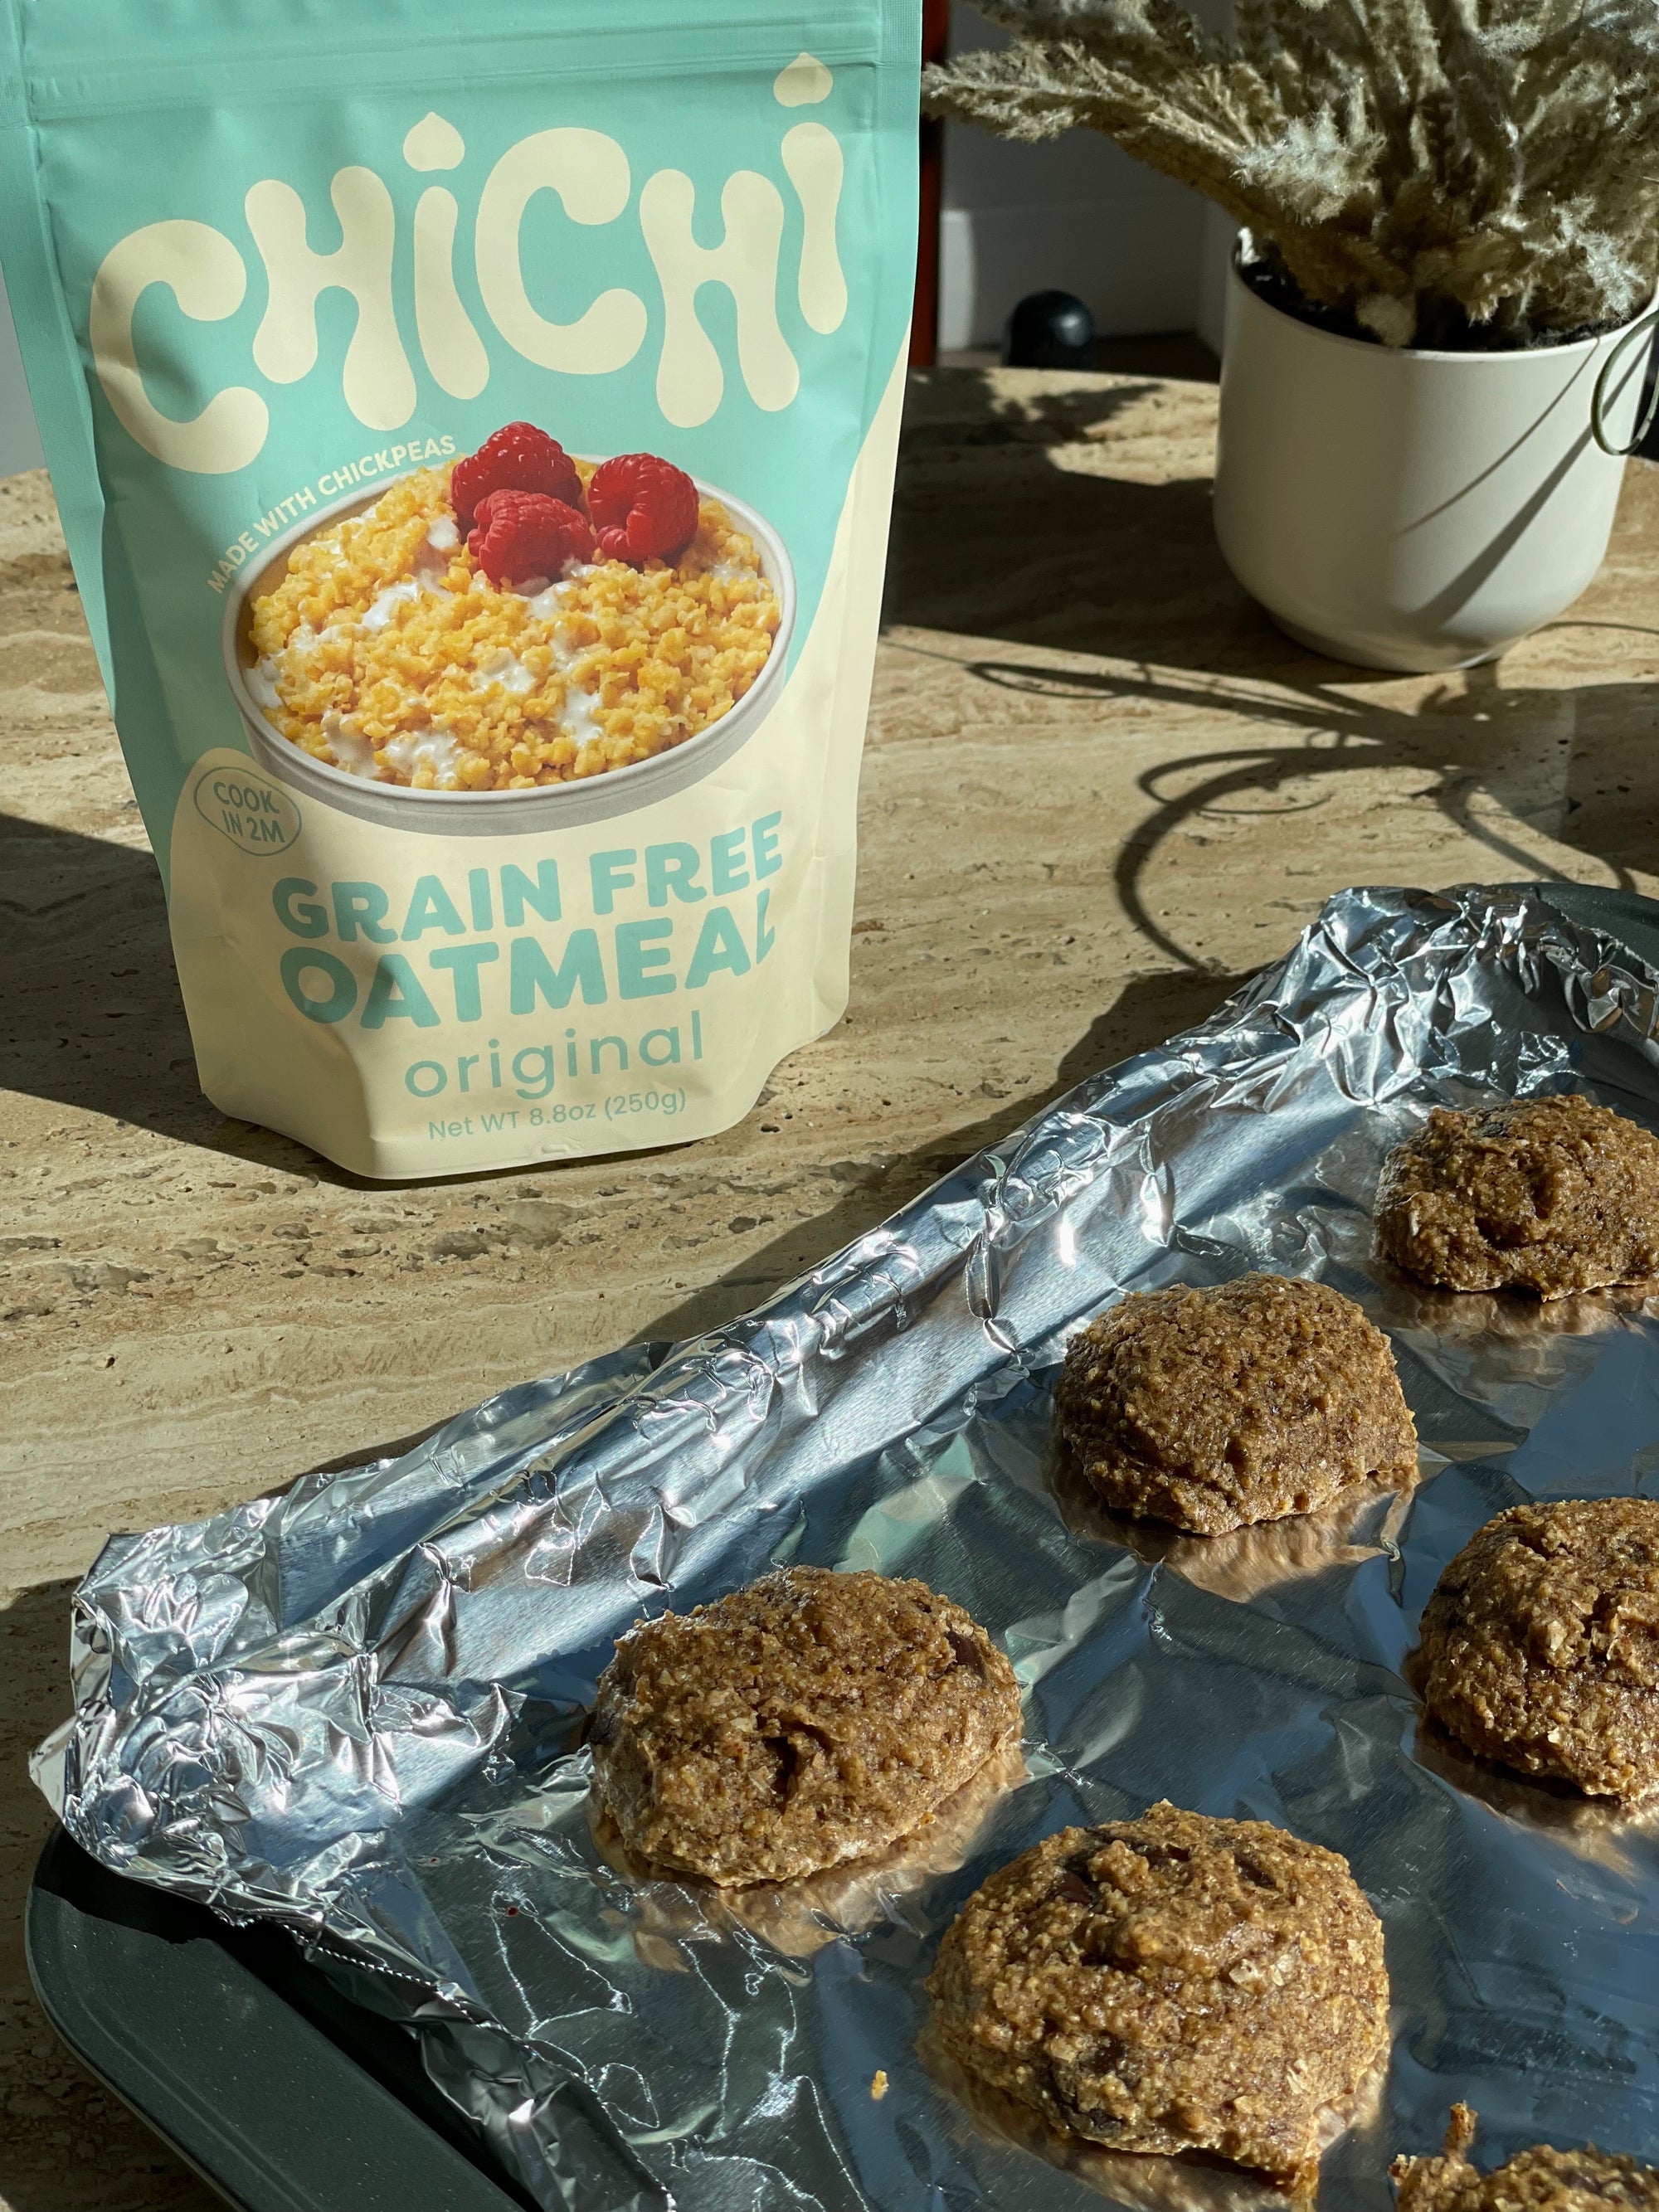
[(1172, 1983), (808, 1720)]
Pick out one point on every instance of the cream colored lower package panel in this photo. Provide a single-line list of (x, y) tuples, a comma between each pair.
[(416, 1002)]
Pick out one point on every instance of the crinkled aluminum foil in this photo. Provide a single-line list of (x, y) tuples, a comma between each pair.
[(356, 1709)]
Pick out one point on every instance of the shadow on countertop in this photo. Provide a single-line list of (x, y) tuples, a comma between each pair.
[(90, 1012), (1148, 1010), (91, 1015), (999, 534), (992, 540)]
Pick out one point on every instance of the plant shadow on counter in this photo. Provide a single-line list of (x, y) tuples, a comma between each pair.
[(1566, 766), (1003, 528)]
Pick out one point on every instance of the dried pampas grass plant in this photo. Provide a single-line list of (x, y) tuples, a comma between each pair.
[(1455, 172)]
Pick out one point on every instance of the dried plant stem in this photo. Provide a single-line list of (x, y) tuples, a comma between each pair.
[(1418, 164)]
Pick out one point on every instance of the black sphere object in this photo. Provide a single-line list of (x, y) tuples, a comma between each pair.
[(1049, 330)]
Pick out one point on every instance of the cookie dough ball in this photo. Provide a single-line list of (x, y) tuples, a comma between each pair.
[(1217, 1408), (1536, 2180), (1540, 1643), (1544, 1194), (1175, 1982), (811, 1718)]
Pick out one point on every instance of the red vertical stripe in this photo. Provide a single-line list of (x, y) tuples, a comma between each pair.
[(924, 327)]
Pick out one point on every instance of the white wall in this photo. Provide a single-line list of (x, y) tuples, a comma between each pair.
[(20, 442), (1073, 214)]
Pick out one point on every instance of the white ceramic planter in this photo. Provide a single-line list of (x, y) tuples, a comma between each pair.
[(1408, 509)]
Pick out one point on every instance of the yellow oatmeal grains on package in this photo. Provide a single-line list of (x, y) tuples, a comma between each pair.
[(474, 433)]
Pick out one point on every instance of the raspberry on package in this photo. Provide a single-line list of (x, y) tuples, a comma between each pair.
[(643, 509), (520, 534), (516, 458)]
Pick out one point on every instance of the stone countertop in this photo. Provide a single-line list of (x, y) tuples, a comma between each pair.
[(1100, 788)]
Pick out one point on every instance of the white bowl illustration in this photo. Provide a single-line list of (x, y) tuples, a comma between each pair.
[(502, 813)]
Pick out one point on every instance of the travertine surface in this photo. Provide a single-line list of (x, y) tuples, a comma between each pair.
[(1100, 786)]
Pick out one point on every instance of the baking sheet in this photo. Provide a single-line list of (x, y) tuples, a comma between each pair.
[(356, 1709)]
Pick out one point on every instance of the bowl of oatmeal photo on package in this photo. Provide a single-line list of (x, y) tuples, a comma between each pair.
[(519, 639)]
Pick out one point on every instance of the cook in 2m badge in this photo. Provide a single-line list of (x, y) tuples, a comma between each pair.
[(256, 814)]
